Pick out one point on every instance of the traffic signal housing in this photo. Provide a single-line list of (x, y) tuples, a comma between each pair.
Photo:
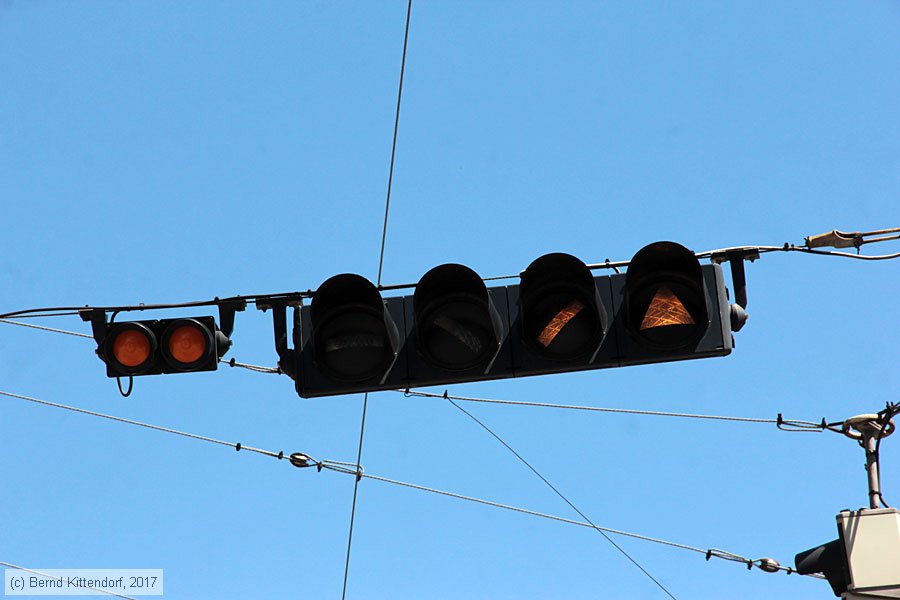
[(560, 317), (351, 337), (159, 346), (863, 561)]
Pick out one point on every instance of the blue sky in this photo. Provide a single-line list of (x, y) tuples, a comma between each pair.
[(157, 152)]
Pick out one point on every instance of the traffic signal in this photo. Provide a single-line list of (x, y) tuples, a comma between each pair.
[(669, 307), (828, 559), (351, 336), (863, 561), (152, 347), (559, 318)]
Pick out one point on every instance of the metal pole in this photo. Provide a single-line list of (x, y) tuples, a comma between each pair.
[(870, 438), (867, 429)]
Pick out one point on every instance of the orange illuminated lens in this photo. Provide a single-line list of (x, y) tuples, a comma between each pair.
[(665, 309), (559, 321), (187, 344), (131, 348)]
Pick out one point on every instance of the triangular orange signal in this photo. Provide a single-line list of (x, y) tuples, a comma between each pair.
[(666, 309)]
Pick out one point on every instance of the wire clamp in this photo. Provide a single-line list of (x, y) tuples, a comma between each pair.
[(858, 427), (300, 460), (769, 565)]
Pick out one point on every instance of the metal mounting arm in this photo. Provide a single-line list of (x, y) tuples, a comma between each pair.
[(279, 322), (736, 260), (868, 430)]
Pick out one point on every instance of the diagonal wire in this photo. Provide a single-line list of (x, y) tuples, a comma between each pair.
[(563, 497), (194, 436), (387, 203), (100, 590), (628, 411), (41, 327), (299, 459), (387, 207), (709, 553), (362, 430)]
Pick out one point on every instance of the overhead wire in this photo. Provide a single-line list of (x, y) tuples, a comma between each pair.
[(790, 425), (561, 495), (48, 576), (627, 411), (230, 362), (299, 459), (709, 552), (51, 329), (298, 295), (387, 206), (235, 445)]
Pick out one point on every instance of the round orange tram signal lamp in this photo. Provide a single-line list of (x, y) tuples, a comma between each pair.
[(186, 344), (130, 347)]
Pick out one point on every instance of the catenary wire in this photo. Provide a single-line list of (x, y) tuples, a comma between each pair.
[(563, 497), (362, 431), (296, 296), (231, 362), (801, 425), (255, 368), (387, 206), (302, 460), (102, 591), (387, 201), (627, 411), (785, 425), (52, 329), (709, 552), (236, 446)]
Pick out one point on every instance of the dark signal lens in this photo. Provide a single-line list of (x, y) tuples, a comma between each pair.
[(457, 334), (354, 345), (457, 325)]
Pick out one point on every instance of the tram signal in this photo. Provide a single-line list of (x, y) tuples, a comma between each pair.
[(559, 318), (162, 346)]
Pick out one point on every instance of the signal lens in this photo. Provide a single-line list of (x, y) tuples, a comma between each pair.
[(354, 346), (132, 348), (559, 321), (188, 344), (457, 334), (666, 309), (561, 326)]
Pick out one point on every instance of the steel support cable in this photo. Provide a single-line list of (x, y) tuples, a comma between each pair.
[(709, 552), (100, 590), (231, 362), (236, 445), (255, 298), (792, 423), (387, 207), (563, 497), (303, 460), (51, 329), (784, 424)]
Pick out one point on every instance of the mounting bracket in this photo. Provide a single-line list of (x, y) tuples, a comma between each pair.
[(736, 260)]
